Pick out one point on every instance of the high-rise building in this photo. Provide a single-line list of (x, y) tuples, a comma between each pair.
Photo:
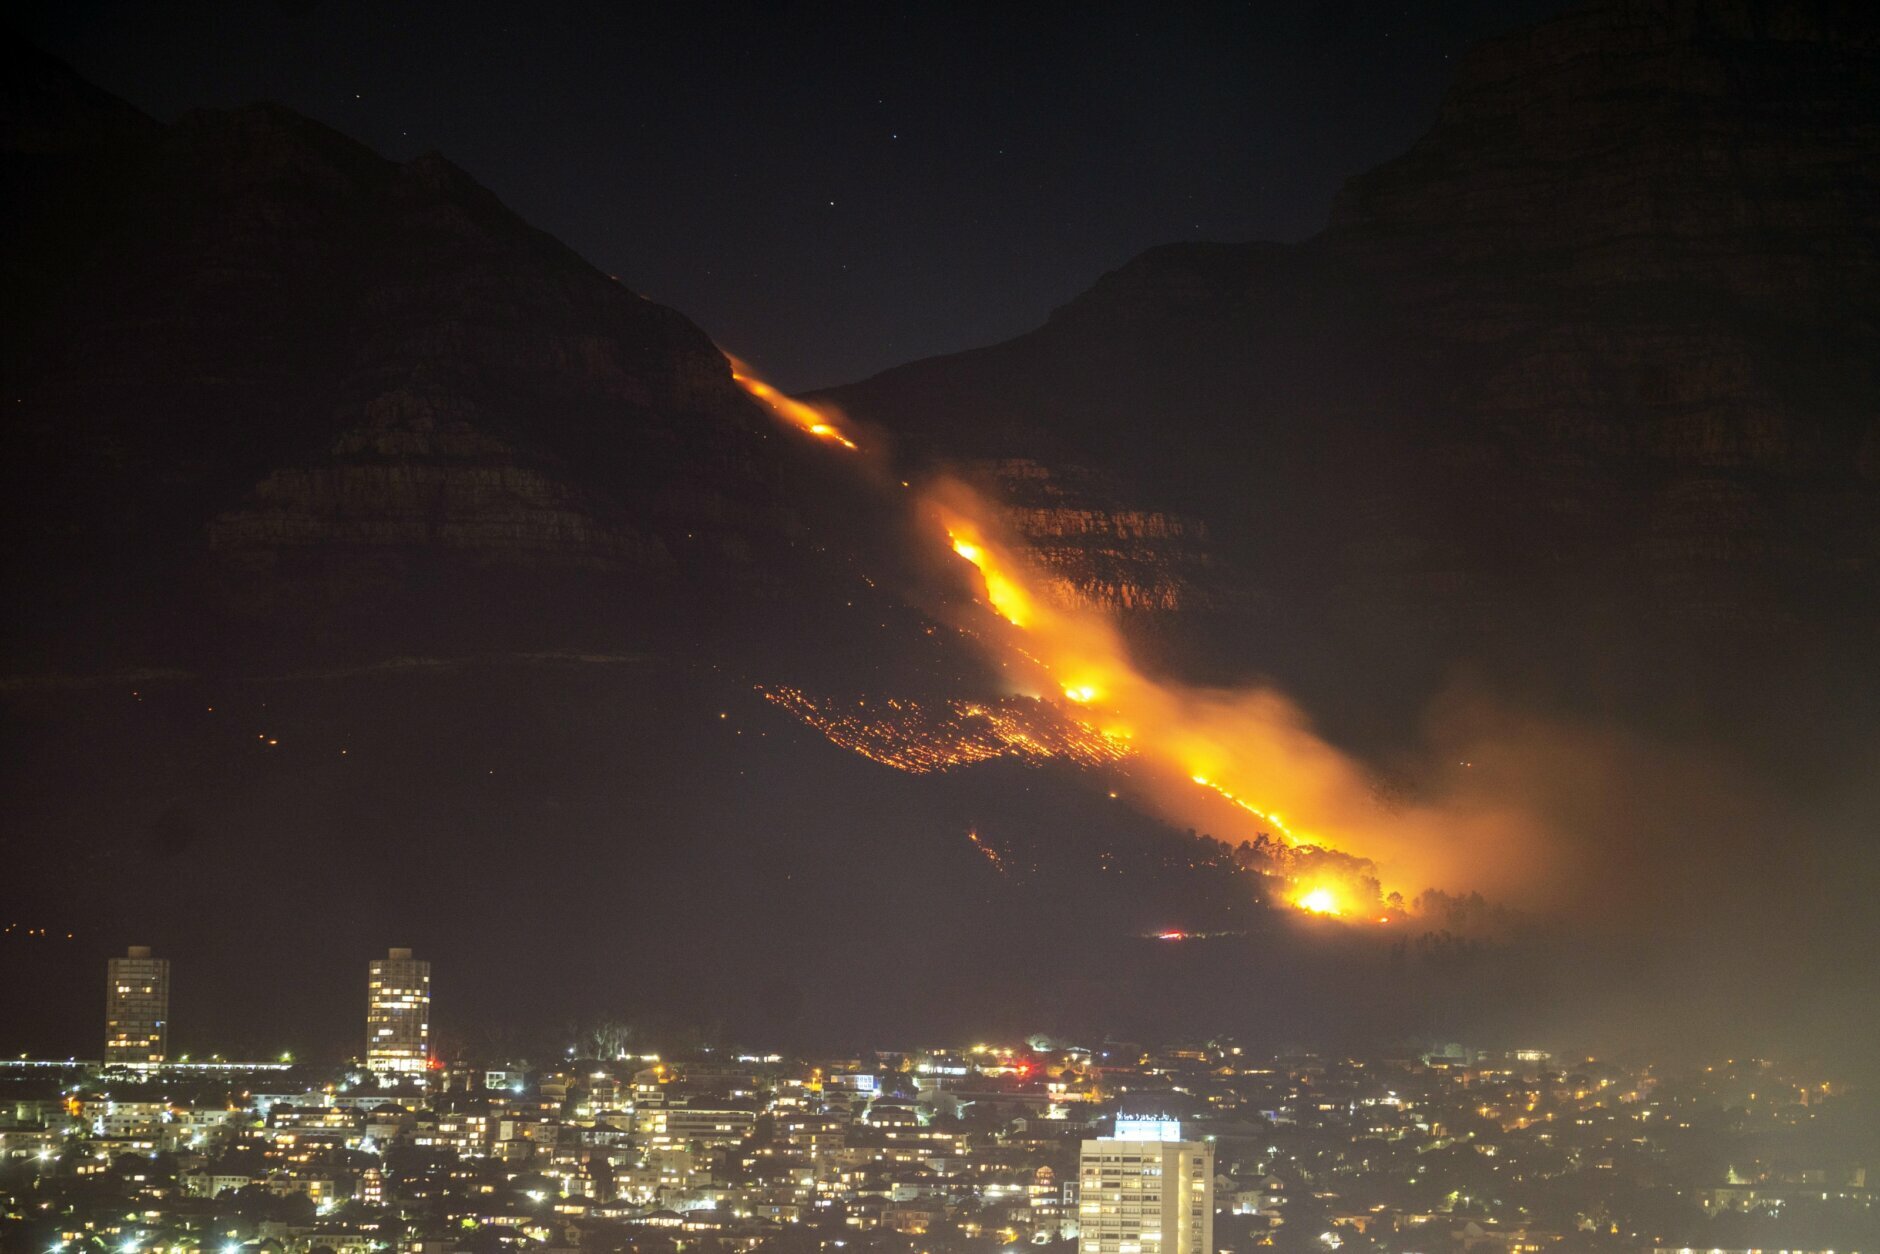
[(136, 1008), (398, 1015), (1146, 1191)]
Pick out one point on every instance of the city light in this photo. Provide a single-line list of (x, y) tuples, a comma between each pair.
[(818, 1110)]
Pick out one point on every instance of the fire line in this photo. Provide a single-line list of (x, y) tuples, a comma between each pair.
[(1092, 682)]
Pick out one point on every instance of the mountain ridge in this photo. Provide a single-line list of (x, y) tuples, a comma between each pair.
[(1579, 391)]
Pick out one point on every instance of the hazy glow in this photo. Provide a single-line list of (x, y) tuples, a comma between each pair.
[(1320, 901)]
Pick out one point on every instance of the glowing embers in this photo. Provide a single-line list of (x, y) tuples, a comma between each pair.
[(802, 416), (990, 854), (922, 737)]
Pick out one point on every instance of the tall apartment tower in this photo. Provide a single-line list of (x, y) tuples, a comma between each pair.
[(136, 1008), (1146, 1191), (398, 1015)]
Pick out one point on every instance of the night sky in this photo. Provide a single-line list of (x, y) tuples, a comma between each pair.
[(835, 189)]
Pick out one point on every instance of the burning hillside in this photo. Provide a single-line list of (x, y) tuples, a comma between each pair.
[(1243, 761)]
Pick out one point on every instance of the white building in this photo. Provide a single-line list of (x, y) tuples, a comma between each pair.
[(1146, 1191)]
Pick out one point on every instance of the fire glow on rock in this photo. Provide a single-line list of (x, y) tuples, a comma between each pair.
[(1189, 743)]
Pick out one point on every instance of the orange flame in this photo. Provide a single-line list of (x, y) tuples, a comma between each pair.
[(1319, 900), (802, 416), (1008, 598)]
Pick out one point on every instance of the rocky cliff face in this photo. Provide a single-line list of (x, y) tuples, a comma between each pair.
[(1098, 554), (1582, 390), (268, 371)]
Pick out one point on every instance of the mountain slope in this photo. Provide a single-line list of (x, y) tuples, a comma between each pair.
[(1581, 391), (348, 375)]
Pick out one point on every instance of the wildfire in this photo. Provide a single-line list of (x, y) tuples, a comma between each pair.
[(1319, 901), (1234, 744), (796, 413), (1006, 595), (1201, 737), (1271, 820)]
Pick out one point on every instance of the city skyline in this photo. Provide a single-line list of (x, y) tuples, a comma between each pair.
[(1198, 1147), (397, 1031)]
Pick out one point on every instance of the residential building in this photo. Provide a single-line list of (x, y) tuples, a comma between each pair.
[(136, 1009), (398, 1015), (1146, 1191)]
